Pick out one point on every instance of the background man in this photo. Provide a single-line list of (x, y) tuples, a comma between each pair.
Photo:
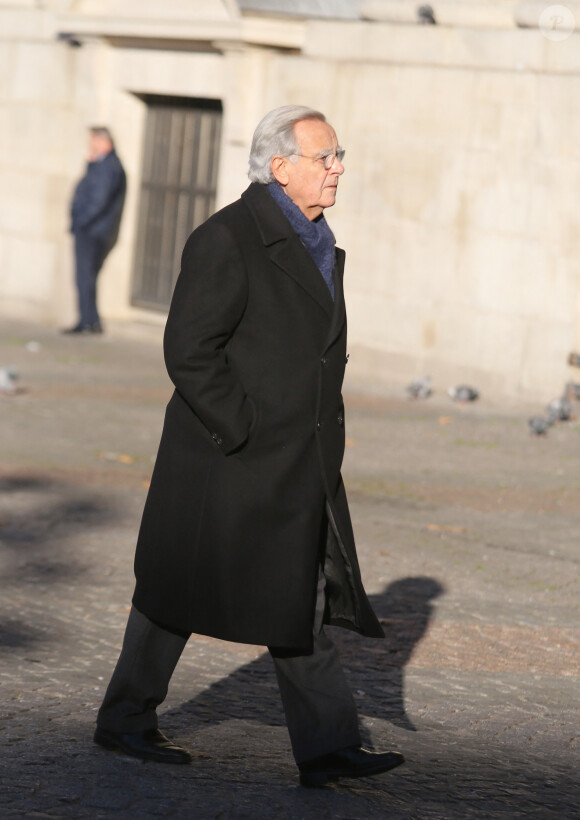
[(246, 532), (96, 211)]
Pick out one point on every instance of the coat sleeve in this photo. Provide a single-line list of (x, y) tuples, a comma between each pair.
[(208, 302)]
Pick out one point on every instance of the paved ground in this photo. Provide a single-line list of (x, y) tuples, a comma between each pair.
[(468, 538)]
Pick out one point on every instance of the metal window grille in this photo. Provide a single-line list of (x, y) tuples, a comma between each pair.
[(178, 190)]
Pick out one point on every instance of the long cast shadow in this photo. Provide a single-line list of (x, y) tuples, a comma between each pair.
[(375, 668), (458, 779)]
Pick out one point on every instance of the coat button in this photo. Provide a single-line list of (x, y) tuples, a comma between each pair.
[(346, 358), (217, 439), (340, 420), (318, 426), (323, 360)]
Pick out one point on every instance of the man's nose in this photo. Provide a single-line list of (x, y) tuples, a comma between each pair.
[(337, 167)]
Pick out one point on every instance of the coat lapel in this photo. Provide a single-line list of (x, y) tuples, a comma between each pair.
[(285, 248), (339, 312)]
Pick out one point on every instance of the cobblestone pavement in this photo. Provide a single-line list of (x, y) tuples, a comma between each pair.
[(468, 538)]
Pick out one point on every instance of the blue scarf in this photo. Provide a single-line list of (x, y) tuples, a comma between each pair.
[(316, 236)]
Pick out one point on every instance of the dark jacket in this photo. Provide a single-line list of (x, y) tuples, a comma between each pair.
[(98, 200), (247, 475)]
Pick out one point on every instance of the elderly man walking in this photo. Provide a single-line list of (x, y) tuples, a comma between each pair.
[(246, 532)]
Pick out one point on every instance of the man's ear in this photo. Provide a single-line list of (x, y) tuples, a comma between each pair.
[(279, 168)]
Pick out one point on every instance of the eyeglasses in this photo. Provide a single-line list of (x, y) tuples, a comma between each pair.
[(327, 160)]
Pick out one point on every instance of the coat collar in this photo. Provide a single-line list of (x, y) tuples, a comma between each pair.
[(287, 251)]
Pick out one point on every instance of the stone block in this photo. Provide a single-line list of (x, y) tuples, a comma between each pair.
[(41, 72), (29, 272), (24, 210)]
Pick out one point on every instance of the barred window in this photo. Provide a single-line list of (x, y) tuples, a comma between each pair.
[(178, 189)]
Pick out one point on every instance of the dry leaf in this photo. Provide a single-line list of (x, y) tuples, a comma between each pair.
[(121, 457), (445, 528)]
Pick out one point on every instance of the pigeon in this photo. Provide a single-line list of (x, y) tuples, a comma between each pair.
[(539, 425), (560, 409), (426, 16), (420, 388), (573, 391), (8, 378), (463, 393)]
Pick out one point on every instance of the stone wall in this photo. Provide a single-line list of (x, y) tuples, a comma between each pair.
[(457, 208)]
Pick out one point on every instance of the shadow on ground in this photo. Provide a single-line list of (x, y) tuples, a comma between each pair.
[(375, 668), (41, 522), (444, 777)]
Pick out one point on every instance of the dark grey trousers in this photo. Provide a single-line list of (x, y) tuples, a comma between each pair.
[(90, 255), (320, 711)]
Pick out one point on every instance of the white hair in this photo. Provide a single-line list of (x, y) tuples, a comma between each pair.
[(274, 136)]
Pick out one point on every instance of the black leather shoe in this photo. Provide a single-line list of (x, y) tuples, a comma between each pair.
[(148, 745), (350, 762), (83, 330)]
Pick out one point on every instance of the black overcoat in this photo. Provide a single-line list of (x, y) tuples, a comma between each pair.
[(246, 497)]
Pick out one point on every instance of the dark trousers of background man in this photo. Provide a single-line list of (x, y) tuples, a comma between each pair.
[(90, 254), (320, 711)]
